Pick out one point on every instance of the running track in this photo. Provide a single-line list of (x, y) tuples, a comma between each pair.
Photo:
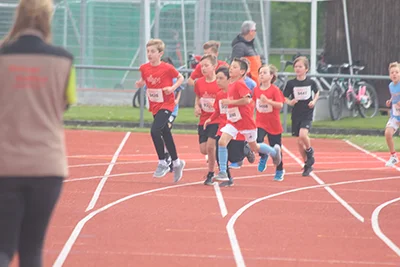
[(113, 213)]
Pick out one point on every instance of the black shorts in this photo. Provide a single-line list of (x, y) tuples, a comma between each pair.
[(299, 124), (210, 132), (235, 150)]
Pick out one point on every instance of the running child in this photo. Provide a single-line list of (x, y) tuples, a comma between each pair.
[(236, 146), (210, 48), (269, 101), (393, 124), (158, 76), (240, 120), (299, 94), (206, 90)]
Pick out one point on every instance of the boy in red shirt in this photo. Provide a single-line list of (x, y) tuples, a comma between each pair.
[(158, 76), (210, 48), (269, 100), (206, 90), (240, 120)]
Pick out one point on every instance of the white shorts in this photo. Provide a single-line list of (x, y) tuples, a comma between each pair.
[(393, 123), (249, 135)]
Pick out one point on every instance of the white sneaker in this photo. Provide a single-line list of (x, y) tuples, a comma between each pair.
[(392, 161)]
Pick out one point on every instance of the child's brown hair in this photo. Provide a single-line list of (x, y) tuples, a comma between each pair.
[(272, 70), (304, 60), (212, 59), (158, 43), (214, 45)]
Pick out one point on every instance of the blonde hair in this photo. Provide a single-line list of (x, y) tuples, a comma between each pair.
[(302, 59), (394, 65), (158, 43), (214, 45), (272, 70), (31, 15)]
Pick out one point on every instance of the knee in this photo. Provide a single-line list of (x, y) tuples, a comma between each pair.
[(211, 148), (222, 143), (389, 133)]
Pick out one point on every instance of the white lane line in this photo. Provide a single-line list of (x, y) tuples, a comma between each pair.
[(377, 229), (237, 253), (220, 199), (327, 188), (103, 180), (369, 153)]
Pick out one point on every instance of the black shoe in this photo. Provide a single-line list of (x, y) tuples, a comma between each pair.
[(209, 179), (227, 183), (251, 157), (307, 170), (310, 157)]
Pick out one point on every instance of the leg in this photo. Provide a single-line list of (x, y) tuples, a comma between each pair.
[(11, 214), (159, 134), (202, 139), (177, 164), (223, 152), (391, 128), (274, 152), (262, 164), (277, 140), (40, 199)]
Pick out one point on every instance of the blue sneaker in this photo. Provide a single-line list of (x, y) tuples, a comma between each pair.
[(262, 164), (236, 165), (279, 176)]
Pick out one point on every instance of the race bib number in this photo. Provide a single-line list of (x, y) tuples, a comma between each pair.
[(234, 114), (263, 108), (302, 93), (223, 109), (207, 104), (155, 95), (396, 110)]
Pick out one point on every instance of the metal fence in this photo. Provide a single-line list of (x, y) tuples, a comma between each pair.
[(109, 32)]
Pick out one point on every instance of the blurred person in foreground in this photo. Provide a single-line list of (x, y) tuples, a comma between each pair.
[(37, 86)]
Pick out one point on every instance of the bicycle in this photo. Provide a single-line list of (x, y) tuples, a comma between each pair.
[(358, 95)]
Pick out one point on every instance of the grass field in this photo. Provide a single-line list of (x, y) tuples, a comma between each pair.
[(186, 116)]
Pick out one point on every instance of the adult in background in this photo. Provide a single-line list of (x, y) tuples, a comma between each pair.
[(37, 85), (243, 46)]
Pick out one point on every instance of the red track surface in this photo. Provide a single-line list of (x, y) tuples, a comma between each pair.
[(181, 224)]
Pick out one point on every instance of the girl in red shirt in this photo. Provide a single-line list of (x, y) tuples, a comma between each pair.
[(240, 120), (268, 100), (206, 90)]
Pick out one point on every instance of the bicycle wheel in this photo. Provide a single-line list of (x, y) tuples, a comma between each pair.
[(368, 105), (136, 99), (335, 102)]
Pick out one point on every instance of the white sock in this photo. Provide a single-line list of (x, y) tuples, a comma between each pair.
[(162, 162), (176, 163)]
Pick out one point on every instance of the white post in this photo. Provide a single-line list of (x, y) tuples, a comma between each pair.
[(265, 26), (157, 19), (184, 31), (346, 28), (144, 38), (313, 44), (65, 36)]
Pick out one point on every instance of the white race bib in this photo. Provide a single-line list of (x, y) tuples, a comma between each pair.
[(234, 114), (263, 108), (207, 104), (155, 95), (223, 109), (302, 93), (396, 110)]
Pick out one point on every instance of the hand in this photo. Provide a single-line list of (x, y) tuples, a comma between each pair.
[(388, 103), (265, 100), (176, 101), (205, 123), (311, 104), (168, 90), (140, 83), (225, 101), (293, 102), (197, 111)]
